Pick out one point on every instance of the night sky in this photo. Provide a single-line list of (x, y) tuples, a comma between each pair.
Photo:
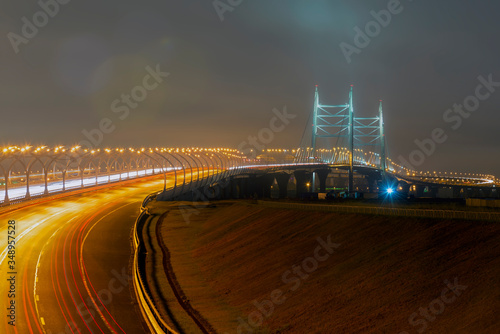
[(226, 76)]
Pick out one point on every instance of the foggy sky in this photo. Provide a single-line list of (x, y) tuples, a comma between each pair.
[(225, 77)]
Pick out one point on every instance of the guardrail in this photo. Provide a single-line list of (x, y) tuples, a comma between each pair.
[(31, 171), (153, 319), (401, 212)]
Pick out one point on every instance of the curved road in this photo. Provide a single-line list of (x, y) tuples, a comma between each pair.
[(72, 263)]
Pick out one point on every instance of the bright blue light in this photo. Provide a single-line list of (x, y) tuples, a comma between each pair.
[(390, 190)]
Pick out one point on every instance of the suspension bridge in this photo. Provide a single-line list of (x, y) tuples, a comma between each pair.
[(340, 146)]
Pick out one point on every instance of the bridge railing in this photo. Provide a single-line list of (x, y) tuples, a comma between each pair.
[(29, 172), (26, 173), (144, 297), (362, 157)]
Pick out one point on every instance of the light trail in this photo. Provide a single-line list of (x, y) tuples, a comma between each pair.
[(20, 236)]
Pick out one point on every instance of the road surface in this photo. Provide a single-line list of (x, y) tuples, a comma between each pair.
[(71, 263)]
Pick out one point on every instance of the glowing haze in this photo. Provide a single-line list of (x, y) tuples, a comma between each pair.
[(103, 65)]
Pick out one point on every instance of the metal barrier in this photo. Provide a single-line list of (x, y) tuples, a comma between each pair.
[(30, 172), (421, 213), (153, 318)]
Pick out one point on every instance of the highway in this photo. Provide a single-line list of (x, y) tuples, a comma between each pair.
[(19, 191), (72, 262)]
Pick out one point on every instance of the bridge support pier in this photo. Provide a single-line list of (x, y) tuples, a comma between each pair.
[(456, 192), (322, 176), (419, 190), (302, 178), (252, 185), (487, 192), (476, 192), (249, 187), (242, 184), (433, 191), (227, 188), (372, 183), (217, 192), (282, 179), (264, 184), (233, 186), (405, 189)]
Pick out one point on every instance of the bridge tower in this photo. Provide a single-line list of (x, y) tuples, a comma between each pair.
[(315, 121), (338, 121), (329, 122), (383, 162), (351, 143)]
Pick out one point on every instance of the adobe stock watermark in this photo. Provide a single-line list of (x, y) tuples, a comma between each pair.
[(222, 6), (436, 307), (296, 275), (123, 105), (30, 28), (454, 117), (372, 29), (265, 136), (87, 310)]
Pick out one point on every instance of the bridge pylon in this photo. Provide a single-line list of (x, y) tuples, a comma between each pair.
[(339, 121), (350, 187), (383, 161)]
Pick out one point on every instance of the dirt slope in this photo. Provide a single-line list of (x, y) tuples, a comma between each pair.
[(382, 276)]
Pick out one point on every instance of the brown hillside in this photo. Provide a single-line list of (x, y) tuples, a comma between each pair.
[(383, 271)]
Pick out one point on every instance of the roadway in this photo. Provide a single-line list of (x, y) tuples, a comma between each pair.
[(38, 188), (72, 262)]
